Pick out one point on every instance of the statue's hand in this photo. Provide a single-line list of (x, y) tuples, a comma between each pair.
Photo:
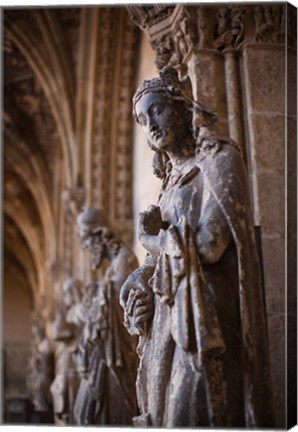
[(127, 287), (136, 298), (138, 280), (151, 229), (150, 221), (144, 308)]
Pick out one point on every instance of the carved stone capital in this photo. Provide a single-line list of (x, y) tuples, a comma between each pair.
[(229, 29), (174, 32), (171, 32)]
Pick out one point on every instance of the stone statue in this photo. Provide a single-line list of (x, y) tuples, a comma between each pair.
[(108, 354), (66, 330), (41, 369), (196, 302)]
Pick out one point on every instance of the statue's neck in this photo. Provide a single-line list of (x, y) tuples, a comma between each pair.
[(181, 152)]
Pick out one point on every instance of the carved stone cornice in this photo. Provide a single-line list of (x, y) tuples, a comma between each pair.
[(177, 31)]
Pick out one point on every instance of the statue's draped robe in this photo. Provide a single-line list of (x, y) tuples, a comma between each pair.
[(204, 361)]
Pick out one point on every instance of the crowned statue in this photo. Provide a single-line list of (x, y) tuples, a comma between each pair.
[(196, 303)]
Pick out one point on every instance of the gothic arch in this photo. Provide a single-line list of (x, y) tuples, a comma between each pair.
[(33, 173), (45, 55)]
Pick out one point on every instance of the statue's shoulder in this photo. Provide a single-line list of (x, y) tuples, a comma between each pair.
[(223, 167), (219, 154)]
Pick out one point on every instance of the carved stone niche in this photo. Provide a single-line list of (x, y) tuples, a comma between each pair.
[(171, 32)]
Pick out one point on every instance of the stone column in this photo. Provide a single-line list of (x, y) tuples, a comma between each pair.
[(233, 96), (209, 88), (264, 85)]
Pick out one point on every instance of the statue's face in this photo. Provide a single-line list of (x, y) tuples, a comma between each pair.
[(161, 118)]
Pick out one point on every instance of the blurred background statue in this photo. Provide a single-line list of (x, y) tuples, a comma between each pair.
[(40, 368), (108, 359), (67, 327)]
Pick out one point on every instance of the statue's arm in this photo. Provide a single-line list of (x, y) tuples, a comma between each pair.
[(213, 233)]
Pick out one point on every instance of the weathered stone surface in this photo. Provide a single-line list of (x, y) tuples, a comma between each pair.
[(292, 275), (274, 273), (292, 81), (263, 70), (292, 178), (265, 78), (276, 326), (268, 145), (209, 88), (270, 202)]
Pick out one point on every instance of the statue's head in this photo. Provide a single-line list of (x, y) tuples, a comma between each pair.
[(165, 108), (94, 233), (72, 291), (88, 220)]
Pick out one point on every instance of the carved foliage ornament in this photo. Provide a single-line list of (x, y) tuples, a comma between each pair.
[(175, 34), (147, 16), (230, 27)]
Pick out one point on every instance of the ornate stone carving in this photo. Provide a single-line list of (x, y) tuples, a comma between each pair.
[(230, 27), (148, 16), (108, 360), (102, 133), (171, 32), (269, 23), (123, 154), (164, 48), (195, 303)]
